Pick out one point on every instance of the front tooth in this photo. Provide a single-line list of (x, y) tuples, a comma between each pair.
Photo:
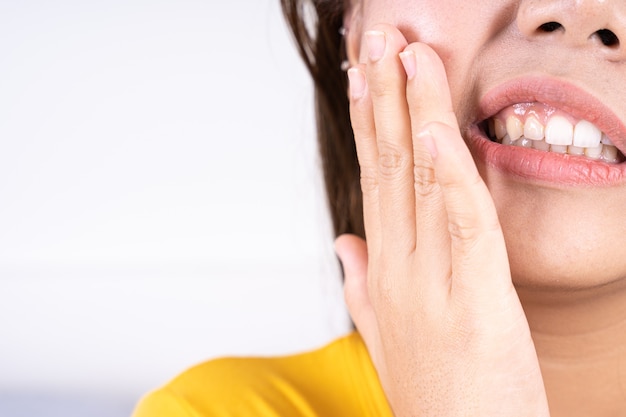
[(514, 128), (500, 128), (605, 140), (558, 148), (524, 143), (559, 131), (595, 152), (541, 145), (533, 129), (609, 153), (575, 150), (586, 135)]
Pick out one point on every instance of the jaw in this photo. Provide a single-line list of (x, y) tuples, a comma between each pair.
[(567, 238), (561, 214)]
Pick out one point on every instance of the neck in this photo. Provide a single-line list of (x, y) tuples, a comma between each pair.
[(580, 337)]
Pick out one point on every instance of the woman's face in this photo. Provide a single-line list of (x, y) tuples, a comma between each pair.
[(554, 71)]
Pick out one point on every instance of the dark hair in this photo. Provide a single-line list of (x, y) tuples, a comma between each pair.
[(316, 27)]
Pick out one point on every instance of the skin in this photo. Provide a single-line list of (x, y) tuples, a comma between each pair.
[(455, 323)]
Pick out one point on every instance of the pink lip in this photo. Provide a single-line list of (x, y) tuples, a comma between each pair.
[(549, 167)]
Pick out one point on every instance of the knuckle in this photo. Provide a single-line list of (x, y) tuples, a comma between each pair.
[(468, 221), (392, 162), (471, 230), (369, 180), (425, 180), (464, 229)]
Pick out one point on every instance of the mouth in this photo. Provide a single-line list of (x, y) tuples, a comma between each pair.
[(547, 129), (550, 131)]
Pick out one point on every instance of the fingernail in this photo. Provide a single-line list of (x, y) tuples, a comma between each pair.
[(357, 83), (409, 63), (376, 44), (427, 139)]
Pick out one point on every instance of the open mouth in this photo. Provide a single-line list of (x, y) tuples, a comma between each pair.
[(549, 131), (544, 128)]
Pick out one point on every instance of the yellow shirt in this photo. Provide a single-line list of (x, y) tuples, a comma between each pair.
[(337, 380)]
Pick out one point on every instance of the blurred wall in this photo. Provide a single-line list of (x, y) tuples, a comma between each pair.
[(160, 200)]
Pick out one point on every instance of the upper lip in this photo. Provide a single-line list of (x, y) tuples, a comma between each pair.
[(559, 94)]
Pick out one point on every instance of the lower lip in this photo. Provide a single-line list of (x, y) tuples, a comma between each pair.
[(545, 167)]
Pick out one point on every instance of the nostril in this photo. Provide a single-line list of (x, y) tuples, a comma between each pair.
[(607, 37), (550, 27)]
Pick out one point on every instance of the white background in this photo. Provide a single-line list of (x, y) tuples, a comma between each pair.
[(160, 198)]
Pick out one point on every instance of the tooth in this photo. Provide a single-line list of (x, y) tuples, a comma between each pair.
[(559, 131), (609, 153), (605, 140), (514, 128), (533, 129), (558, 148), (586, 135), (524, 143), (506, 140), (595, 152), (500, 128), (541, 145), (575, 150)]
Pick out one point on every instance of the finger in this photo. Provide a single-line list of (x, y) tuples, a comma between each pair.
[(362, 118), (473, 224), (352, 252), (428, 98), (427, 75), (387, 84)]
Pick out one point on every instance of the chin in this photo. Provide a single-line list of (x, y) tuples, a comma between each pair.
[(543, 258), (555, 275)]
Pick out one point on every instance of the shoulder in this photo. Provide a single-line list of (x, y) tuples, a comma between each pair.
[(337, 379)]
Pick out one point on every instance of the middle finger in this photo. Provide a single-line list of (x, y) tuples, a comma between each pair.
[(387, 85)]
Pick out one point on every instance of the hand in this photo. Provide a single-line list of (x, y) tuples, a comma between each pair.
[(431, 293)]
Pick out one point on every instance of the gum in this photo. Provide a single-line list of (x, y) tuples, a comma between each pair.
[(540, 111)]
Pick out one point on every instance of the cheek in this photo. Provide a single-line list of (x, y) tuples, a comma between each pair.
[(426, 21), (456, 30), (565, 239), (443, 23)]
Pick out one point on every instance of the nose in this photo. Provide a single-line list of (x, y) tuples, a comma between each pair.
[(597, 25)]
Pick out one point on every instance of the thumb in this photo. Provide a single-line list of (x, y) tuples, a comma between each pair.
[(352, 252)]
